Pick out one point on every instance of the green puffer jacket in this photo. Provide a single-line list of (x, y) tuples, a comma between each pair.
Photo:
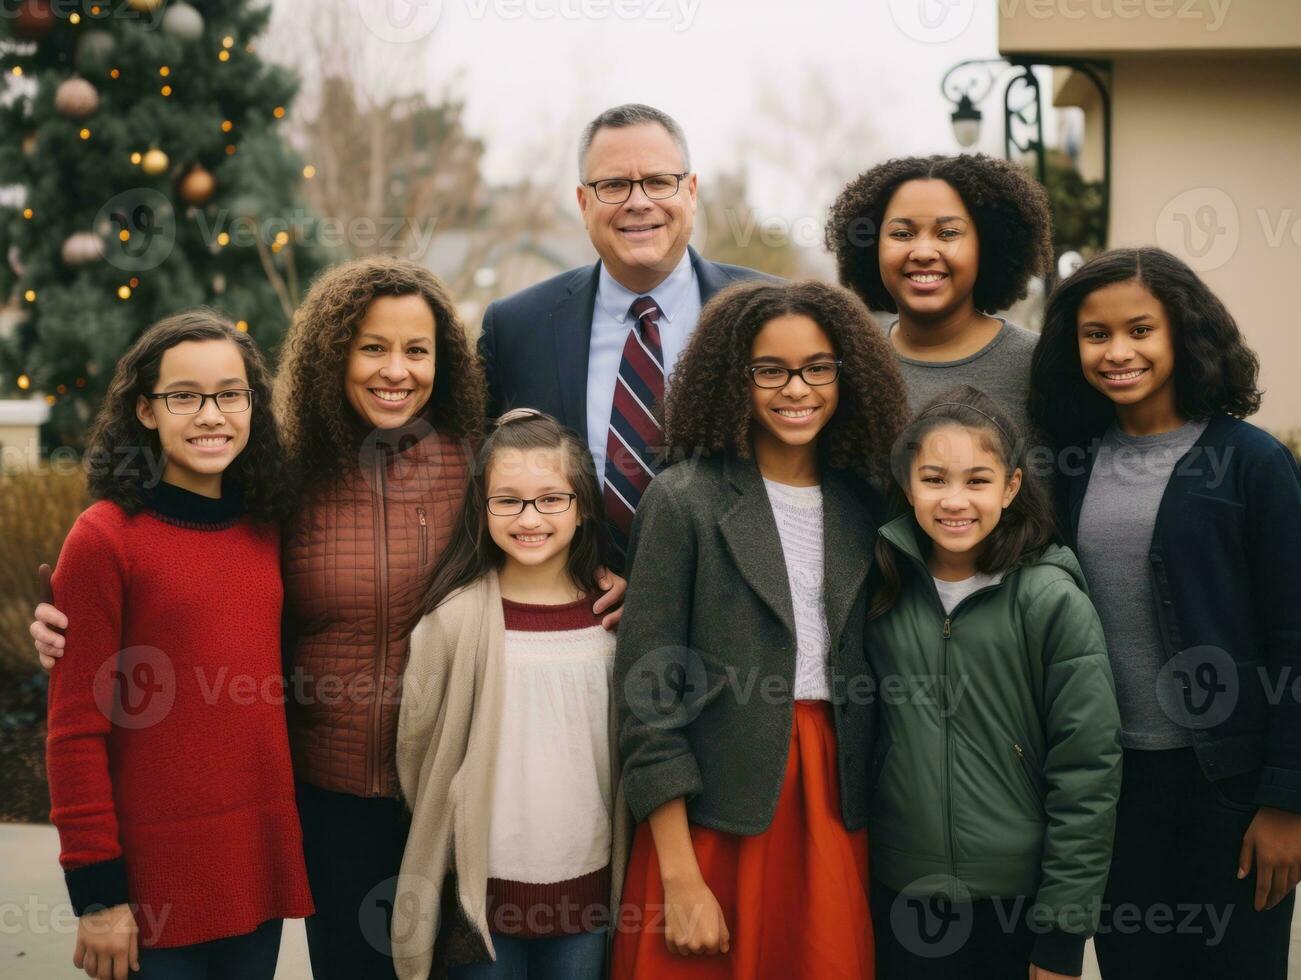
[(998, 765)]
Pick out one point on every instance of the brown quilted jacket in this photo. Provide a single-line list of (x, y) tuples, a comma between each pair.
[(356, 562)]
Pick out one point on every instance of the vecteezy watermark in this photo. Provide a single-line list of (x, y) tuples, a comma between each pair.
[(669, 686), (932, 21), (136, 687), (1212, 13), (1201, 226), (404, 21), (151, 17), (138, 227), (299, 227), (400, 21), (932, 917), (1198, 688)]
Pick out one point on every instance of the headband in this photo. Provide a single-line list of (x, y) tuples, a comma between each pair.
[(998, 425)]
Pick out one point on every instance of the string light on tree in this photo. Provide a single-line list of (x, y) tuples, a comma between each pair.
[(124, 292), (24, 382)]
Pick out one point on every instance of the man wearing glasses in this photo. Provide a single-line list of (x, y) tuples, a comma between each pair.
[(593, 346)]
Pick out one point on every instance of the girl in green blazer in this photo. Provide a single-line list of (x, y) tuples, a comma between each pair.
[(747, 710), (998, 766)]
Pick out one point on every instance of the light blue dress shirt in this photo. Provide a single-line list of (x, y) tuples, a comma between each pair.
[(678, 298)]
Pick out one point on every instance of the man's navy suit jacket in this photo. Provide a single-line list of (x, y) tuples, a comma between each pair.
[(535, 342)]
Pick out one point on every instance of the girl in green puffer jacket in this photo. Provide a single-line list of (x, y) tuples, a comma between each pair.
[(998, 766)]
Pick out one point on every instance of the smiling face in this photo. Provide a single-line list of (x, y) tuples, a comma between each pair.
[(199, 447), (792, 416), (958, 487), (390, 373), (532, 538), (641, 240), (1127, 346), (929, 253)]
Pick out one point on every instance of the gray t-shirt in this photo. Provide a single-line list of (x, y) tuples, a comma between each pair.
[(1001, 369), (1129, 477), (951, 593)]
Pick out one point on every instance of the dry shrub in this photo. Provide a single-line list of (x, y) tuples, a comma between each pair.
[(37, 509)]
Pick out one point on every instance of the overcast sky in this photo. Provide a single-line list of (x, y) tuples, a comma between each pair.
[(533, 71)]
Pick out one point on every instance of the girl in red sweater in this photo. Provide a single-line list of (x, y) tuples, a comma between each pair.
[(168, 759)]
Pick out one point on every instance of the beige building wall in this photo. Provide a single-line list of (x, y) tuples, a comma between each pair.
[(1106, 28), (1207, 164)]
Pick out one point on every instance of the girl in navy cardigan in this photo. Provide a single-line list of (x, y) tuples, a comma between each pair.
[(1187, 521)]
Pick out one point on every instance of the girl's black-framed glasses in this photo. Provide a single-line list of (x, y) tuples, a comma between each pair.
[(548, 503)]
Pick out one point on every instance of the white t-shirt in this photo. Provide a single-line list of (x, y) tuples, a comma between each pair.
[(798, 511)]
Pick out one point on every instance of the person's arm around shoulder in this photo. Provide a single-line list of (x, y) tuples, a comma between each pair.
[(1081, 770), (91, 585), (48, 624)]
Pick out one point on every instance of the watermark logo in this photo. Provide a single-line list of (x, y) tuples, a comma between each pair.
[(1198, 687), (932, 21), (932, 917), (667, 687), (136, 688), (138, 227), (1201, 226), (400, 21)]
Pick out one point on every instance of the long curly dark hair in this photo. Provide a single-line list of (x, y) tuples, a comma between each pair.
[(120, 449), (471, 552), (1011, 211), (1027, 525), (707, 409), (1214, 372), (321, 429)]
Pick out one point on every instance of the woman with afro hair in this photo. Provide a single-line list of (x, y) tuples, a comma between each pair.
[(747, 710), (945, 242)]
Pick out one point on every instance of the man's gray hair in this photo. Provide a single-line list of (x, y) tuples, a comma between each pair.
[(631, 114)]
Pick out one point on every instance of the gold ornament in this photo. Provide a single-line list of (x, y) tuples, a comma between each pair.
[(154, 162), (197, 186), (145, 6)]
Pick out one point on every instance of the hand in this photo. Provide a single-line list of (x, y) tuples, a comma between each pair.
[(614, 587), (49, 643), (107, 943), (693, 920), (1039, 973), (1274, 841)]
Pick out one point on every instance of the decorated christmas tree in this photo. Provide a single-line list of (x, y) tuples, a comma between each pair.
[(141, 172)]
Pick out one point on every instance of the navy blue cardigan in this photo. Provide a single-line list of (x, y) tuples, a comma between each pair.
[(1225, 562)]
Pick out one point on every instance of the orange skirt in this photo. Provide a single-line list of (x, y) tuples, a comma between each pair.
[(794, 898)]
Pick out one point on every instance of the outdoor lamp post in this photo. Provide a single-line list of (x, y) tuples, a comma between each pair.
[(969, 82)]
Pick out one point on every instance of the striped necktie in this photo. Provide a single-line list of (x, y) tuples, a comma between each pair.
[(635, 438)]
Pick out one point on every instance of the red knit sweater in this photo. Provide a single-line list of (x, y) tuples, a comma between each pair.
[(168, 759)]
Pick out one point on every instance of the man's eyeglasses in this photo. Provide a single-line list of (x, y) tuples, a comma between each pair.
[(776, 376), (551, 503), (616, 190), (191, 402)]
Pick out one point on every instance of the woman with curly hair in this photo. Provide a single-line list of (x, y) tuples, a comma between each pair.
[(746, 714), (172, 793), (946, 242), (1187, 522)]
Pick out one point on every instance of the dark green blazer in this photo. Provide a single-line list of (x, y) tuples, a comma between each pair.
[(705, 665)]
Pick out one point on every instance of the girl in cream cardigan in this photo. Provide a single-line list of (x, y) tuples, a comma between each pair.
[(505, 750)]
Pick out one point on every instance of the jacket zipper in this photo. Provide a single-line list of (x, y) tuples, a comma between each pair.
[(424, 536), (1027, 770), (944, 703), (375, 761)]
